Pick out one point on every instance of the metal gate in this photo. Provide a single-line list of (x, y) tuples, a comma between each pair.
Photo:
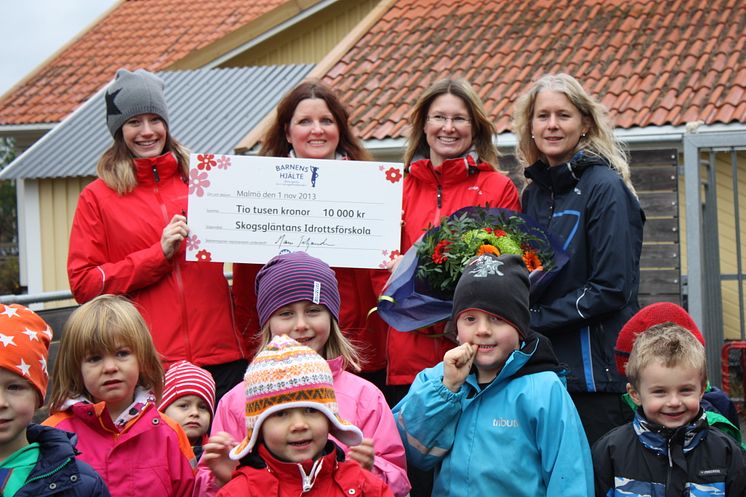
[(715, 190)]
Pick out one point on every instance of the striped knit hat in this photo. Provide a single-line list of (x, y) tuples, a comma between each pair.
[(24, 345), (284, 375), (184, 378), (293, 277)]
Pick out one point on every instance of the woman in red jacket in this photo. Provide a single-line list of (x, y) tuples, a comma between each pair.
[(312, 123), (451, 163), (128, 230)]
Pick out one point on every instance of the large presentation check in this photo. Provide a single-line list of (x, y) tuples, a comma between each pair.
[(250, 209)]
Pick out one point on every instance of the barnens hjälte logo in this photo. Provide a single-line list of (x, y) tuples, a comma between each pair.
[(504, 423), (297, 174)]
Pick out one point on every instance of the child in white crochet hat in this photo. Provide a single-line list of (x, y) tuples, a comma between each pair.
[(291, 410)]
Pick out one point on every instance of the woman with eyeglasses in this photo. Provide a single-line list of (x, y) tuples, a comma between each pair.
[(451, 162)]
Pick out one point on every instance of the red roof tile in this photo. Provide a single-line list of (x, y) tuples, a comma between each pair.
[(136, 33), (651, 63)]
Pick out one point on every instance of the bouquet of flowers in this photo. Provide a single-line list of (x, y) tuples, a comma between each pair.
[(420, 291)]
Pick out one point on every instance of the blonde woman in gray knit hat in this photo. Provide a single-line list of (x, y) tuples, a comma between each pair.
[(130, 232)]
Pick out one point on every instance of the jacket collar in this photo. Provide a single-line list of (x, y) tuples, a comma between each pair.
[(295, 474), (98, 414), (659, 438), (154, 169), (57, 444), (451, 171), (563, 177), (337, 366), (56, 459)]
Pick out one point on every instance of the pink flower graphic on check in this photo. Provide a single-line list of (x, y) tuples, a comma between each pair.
[(192, 242), (198, 182), (224, 162)]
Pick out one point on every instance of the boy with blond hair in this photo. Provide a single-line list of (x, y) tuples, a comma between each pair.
[(668, 449)]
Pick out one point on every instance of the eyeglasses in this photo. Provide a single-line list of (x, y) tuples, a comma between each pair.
[(456, 121)]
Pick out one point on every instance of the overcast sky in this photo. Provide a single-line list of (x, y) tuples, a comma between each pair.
[(33, 30)]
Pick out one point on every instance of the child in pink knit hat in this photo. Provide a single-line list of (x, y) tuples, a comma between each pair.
[(291, 410), (298, 296)]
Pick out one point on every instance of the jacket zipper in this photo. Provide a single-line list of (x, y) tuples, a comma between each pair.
[(177, 269), (670, 465), (55, 470), (439, 204)]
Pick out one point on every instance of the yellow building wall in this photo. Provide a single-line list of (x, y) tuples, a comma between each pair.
[(724, 185), (727, 235), (308, 41), (57, 201)]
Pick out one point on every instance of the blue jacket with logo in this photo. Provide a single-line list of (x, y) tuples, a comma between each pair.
[(641, 459), (599, 221), (519, 435)]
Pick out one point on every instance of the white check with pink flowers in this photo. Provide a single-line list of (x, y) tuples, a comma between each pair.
[(250, 209)]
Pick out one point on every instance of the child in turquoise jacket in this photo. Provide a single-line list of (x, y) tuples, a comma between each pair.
[(494, 418)]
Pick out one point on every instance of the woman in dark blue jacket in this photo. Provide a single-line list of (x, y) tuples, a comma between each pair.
[(580, 190)]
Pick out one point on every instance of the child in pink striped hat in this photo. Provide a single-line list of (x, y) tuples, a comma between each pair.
[(189, 399)]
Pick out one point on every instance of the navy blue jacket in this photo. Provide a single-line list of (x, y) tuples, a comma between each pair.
[(58, 472), (587, 206)]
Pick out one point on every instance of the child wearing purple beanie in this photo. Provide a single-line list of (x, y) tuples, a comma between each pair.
[(298, 296)]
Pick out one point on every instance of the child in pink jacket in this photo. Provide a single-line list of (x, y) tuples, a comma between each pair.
[(106, 380), (297, 295)]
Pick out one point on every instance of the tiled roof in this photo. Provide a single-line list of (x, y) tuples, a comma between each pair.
[(136, 33), (651, 63), (202, 111)]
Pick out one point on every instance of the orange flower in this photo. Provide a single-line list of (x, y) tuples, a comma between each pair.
[(532, 261), (488, 249)]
